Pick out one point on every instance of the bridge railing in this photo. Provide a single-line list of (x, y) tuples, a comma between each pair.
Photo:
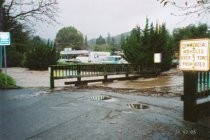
[(90, 70), (203, 84), (196, 89)]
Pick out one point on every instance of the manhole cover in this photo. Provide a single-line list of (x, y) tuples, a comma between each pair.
[(100, 98), (138, 106)]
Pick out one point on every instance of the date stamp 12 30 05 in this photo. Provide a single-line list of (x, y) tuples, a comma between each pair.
[(186, 131)]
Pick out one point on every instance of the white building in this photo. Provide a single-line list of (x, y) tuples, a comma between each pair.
[(84, 56)]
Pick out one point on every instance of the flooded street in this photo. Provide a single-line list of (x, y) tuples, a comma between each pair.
[(172, 83), (31, 78)]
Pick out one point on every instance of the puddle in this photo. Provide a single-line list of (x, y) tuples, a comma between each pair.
[(138, 106), (111, 100), (100, 97), (127, 112)]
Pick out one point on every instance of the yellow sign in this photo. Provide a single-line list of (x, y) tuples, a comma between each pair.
[(194, 55)]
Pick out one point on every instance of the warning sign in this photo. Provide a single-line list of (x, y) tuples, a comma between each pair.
[(194, 55)]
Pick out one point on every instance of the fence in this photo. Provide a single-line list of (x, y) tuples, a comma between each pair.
[(91, 70), (196, 95)]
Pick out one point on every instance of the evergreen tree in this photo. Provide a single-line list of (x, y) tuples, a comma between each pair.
[(140, 46), (100, 40), (86, 42), (41, 55), (189, 32), (108, 39)]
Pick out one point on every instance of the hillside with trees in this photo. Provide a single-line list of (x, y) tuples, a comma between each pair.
[(117, 38)]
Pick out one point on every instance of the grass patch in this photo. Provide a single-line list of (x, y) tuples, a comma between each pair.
[(10, 81)]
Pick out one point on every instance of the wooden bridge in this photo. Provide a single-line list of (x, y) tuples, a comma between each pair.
[(127, 71), (196, 84)]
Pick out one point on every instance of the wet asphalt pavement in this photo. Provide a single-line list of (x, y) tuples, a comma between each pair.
[(37, 114)]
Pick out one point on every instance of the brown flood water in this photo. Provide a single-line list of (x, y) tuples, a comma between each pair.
[(28, 78), (141, 83)]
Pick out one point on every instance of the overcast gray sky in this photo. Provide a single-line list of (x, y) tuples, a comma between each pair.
[(100, 17)]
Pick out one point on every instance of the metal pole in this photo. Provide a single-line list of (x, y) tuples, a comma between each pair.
[(1, 29), (5, 64)]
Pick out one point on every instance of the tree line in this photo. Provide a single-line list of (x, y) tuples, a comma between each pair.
[(19, 18), (35, 53), (70, 37), (139, 47)]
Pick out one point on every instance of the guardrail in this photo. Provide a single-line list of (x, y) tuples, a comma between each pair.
[(196, 95), (91, 70)]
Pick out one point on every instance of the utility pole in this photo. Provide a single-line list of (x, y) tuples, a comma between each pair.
[(1, 30), (1, 16)]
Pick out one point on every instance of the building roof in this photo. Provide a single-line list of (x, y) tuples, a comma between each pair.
[(73, 52)]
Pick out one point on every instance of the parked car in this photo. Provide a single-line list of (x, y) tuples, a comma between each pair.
[(113, 59), (175, 62)]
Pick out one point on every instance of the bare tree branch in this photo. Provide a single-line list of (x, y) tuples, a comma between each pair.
[(30, 11), (198, 7), (10, 6)]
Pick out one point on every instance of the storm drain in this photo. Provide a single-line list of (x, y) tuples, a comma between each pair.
[(100, 97), (138, 106)]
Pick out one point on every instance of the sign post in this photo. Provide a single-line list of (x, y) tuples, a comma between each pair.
[(1, 55), (5, 41), (194, 58), (157, 61)]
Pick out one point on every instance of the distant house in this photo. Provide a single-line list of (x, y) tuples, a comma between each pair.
[(70, 55)]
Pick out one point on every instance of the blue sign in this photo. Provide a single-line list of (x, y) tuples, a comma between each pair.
[(4, 38)]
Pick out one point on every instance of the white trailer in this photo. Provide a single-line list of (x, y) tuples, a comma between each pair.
[(98, 57)]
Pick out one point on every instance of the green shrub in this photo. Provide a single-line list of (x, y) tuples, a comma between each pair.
[(10, 81), (40, 55), (14, 58)]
